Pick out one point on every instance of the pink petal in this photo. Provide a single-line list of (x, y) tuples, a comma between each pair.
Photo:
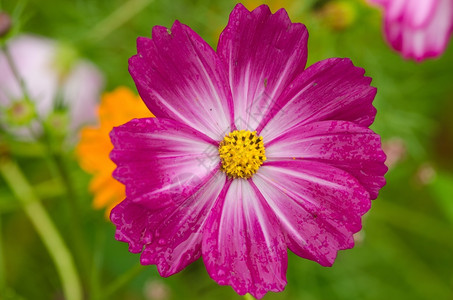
[(34, 57), (419, 29), (332, 89), (417, 13), (263, 53), (170, 236), (81, 91), (162, 161), (133, 224), (242, 243), (395, 7), (420, 12), (318, 206), (344, 145), (178, 235), (180, 77)]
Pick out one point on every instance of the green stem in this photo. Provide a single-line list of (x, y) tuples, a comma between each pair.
[(98, 255), (116, 19), (58, 164), (45, 228), (122, 281), (2, 261), (248, 297), (77, 236), (63, 171), (15, 71), (56, 157)]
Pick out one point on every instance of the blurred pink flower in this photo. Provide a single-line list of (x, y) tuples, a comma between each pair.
[(156, 290), (395, 150), (425, 174), (40, 64), (418, 29)]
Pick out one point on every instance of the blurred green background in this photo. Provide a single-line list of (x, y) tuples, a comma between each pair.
[(405, 250)]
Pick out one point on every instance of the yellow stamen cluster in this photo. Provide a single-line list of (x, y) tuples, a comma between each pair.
[(241, 153)]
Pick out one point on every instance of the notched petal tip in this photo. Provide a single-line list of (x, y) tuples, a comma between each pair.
[(329, 260), (239, 8), (143, 43), (131, 225), (261, 9), (143, 46), (161, 32)]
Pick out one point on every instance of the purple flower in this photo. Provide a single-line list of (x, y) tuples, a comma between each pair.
[(418, 29), (249, 154)]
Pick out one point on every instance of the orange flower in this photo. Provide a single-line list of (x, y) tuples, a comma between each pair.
[(116, 108)]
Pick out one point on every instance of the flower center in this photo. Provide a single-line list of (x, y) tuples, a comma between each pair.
[(241, 153)]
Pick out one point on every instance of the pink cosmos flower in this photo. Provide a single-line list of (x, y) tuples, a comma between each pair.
[(418, 29), (36, 59), (249, 154)]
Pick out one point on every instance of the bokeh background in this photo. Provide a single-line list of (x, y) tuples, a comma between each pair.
[(405, 250)]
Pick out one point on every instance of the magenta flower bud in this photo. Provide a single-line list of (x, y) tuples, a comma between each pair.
[(418, 29)]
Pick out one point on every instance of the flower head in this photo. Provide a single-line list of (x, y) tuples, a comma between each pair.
[(305, 174), (94, 146), (76, 87), (418, 29)]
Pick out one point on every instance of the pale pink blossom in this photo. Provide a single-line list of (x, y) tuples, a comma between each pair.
[(37, 61)]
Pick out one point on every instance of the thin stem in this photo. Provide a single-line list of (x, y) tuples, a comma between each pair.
[(98, 255), (58, 164), (248, 297), (62, 169), (16, 74), (120, 282), (22, 85), (47, 139), (44, 226), (2, 261), (77, 236), (116, 19)]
